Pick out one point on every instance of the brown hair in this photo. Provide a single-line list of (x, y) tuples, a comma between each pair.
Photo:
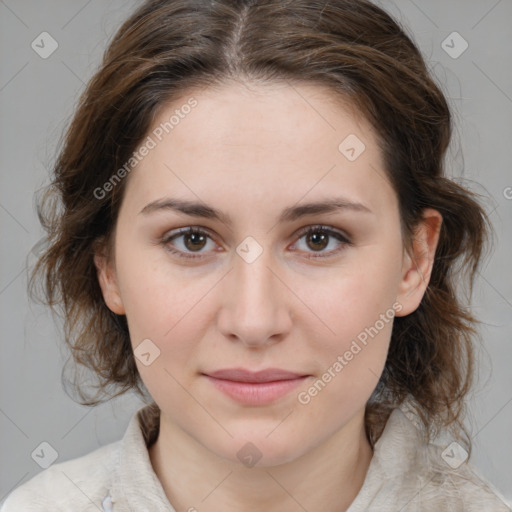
[(358, 52)]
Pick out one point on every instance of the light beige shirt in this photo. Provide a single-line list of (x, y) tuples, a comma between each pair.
[(405, 474)]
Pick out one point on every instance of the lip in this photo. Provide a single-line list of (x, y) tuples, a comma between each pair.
[(242, 375), (255, 388)]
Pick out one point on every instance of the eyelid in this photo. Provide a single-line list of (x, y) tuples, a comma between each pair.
[(323, 227)]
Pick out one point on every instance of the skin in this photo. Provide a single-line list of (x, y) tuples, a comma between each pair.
[(283, 310)]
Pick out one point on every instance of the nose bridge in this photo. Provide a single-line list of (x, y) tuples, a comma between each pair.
[(254, 309), (254, 280)]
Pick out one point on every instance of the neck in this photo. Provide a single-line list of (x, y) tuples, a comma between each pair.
[(327, 478)]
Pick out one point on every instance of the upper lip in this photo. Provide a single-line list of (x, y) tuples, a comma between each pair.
[(242, 375)]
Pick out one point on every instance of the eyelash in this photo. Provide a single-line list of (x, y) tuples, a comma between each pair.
[(325, 230)]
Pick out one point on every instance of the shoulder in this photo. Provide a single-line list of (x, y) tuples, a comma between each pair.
[(408, 473), (112, 473), (448, 478), (443, 474), (76, 484)]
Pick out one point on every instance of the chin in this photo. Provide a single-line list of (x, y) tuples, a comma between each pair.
[(258, 449)]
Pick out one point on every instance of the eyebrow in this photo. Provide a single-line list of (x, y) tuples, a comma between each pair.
[(289, 214)]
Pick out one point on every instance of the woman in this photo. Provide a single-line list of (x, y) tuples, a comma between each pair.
[(257, 235)]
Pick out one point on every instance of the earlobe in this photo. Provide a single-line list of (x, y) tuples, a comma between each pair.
[(417, 267), (107, 279)]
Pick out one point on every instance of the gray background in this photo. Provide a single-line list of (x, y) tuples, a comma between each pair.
[(37, 97)]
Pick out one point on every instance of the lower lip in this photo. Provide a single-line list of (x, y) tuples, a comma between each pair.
[(256, 393)]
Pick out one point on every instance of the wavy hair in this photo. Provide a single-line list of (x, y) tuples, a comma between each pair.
[(366, 59)]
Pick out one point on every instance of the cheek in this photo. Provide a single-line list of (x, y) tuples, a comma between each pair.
[(358, 351), (158, 302), (349, 363), (353, 300), (357, 310)]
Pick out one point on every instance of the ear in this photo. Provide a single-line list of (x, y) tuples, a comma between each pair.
[(417, 267), (107, 278)]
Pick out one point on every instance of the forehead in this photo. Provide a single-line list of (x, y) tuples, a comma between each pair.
[(277, 142), (300, 115)]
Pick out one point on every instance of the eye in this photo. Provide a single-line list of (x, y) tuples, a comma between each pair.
[(319, 237), (194, 239)]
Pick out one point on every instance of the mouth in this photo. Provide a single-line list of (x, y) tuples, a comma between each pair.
[(255, 388)]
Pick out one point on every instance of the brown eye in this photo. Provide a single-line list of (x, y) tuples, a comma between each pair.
[(194, 241), (318, 238), (187, 241)]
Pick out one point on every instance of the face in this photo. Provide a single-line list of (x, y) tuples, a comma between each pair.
[(269, 283)]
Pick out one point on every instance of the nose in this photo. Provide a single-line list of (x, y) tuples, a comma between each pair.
[(256, 305)]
